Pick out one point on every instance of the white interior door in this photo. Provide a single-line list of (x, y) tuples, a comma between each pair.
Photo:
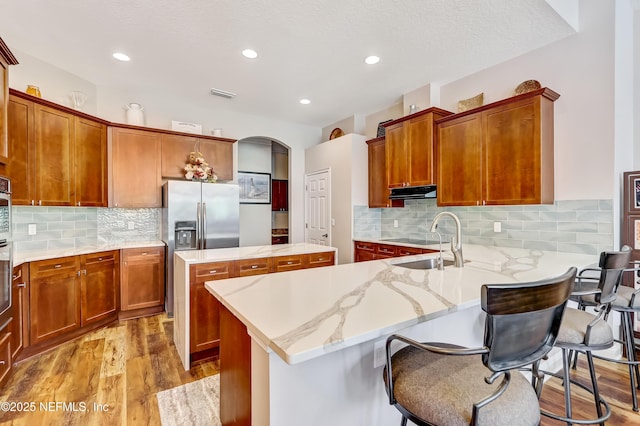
[(318, 208)]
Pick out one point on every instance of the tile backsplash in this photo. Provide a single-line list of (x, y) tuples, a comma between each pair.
[(580, 226), (77, 227)]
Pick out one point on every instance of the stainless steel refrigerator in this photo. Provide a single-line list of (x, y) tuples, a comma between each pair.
[(197, 216)]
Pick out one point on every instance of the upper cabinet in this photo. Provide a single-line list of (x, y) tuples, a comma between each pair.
[(217, 152), (6, 59), (498, 154), (59, 157), (279, 195), (409, 149), (378, 189), (135, 168)]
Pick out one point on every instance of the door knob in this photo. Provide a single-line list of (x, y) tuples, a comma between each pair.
[(325, 235)]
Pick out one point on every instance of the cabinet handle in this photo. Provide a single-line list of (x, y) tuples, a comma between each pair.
[(78, 273), (289, 262), (15, 276), (39, 202), (213, 272), (143, 254), (2, 362), (78, 203), (23, 285), (99, 258), (84, 272), (33, 203), (58, 266), (116, 204), (254, 266), (484, 202), (320, 259)]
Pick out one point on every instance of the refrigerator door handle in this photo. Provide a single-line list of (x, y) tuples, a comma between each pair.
[(198, 228), (204, 225)]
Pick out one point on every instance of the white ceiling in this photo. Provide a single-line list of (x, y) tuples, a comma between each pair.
[(307, 48)]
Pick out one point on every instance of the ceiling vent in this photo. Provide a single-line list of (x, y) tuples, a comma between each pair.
[(222, 93)]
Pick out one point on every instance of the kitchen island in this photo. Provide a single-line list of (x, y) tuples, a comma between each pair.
[(196, 321), (315, 336)]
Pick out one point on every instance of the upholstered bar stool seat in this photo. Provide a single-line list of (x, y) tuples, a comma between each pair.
[(442, 389), (574, 326)]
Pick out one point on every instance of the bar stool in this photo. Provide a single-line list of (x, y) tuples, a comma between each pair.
[(585, 332), (441, 384)]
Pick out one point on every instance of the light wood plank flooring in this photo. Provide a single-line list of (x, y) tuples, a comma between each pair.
[(126, 364), (121, 366)]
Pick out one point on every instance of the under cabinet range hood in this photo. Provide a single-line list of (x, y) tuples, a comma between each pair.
[(413, 192)]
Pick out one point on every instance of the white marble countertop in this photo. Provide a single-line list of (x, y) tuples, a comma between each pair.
[(191, 257), (31, 256), (306, 313)]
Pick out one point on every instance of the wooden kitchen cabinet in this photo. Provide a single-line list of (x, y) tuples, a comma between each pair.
[(378, 187), (54, 298), (288, 263), (59, 158), (142, 281), (99, 286), (366, 250), (19, 310), (410, 149), (6, 59), (205, 309), (247, 267), (316, 260), (135, 168), (5, 352), (279, 195), (498, 154), (218, 153)]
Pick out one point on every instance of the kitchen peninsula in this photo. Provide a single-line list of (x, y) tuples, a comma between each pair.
[(313, 335), (196, 312)]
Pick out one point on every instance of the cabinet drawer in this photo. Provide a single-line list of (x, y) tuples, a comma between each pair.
[(212, 271), (148, 253), (102, 257), (387, 250), (315, 260), (46, 268), (366, 246), (5, 354), (287, 263), (253, 266), (407, 251)]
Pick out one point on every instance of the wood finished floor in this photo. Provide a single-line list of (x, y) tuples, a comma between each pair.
[(123, 365), (126, 364)]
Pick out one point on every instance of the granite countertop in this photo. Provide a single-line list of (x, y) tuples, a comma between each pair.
[(191, 257), (307, 313), (31, 256)]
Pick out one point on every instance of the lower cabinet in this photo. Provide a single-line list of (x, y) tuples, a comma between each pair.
[(5, 353), (142, 281), (204, 321), (68, 293), (54, 297), (365, 250), (19, 310)]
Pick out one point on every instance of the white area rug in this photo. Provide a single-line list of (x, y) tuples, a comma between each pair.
[(194, 404)]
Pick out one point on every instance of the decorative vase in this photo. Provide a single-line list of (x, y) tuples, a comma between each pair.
[(135, 114), (34, 91)]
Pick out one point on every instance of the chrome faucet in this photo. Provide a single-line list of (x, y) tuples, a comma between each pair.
[(456, 241)]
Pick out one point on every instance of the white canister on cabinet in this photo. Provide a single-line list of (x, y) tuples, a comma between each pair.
[(135, 114)]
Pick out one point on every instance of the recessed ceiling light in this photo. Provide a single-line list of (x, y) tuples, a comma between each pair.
[(372, 60), (305, 101), (121, 57), (249, 53)]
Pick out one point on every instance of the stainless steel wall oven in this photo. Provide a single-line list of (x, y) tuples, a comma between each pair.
[(6, 255)]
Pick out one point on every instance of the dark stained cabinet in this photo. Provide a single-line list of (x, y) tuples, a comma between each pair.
[(378, 188), (142, 279), (279, 195), (19, 310), (218, 153), (90, 157), (20, 168), (99, 286), (365, 250), (6, 59)]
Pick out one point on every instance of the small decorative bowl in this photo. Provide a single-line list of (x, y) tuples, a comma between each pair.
[(527, 86)]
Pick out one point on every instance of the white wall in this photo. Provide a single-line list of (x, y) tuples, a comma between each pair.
[(581, 69), (347, 159), (254, 155)]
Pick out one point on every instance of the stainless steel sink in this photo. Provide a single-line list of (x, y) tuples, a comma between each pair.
[(429, 263)]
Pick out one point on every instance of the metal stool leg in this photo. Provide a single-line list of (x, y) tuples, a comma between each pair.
[(566, 384), (594, 383), (404, 421), (631, 355)]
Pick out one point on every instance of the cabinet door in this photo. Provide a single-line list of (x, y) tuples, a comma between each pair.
[(4, 95), (279, 195), (136, 168), (253, 266), (396, 156), (21, 168), (142, 278), (378, 190), (19, 307), (419, 131), (175, 154), (513, 153), (219, 155), (54, 297), (90, 163), (460, 161), (53, 156), (287, 263), (204, 307), (99, 286), (315, 260)]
